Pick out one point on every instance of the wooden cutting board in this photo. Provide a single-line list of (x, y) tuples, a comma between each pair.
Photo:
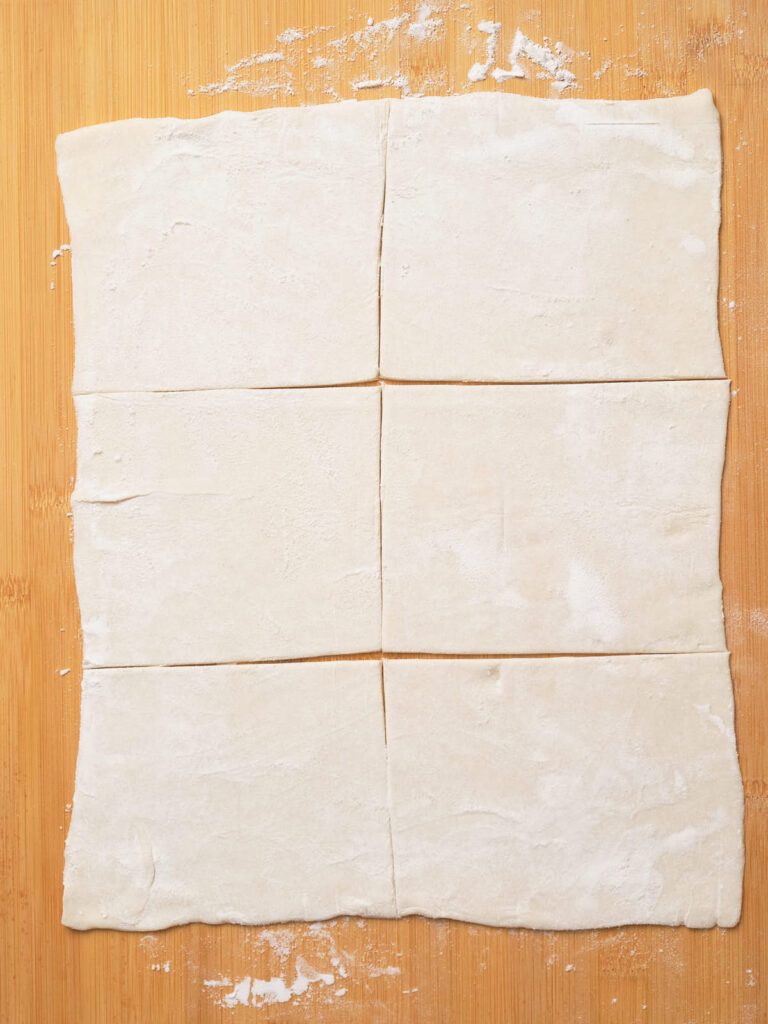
[(67, 63)]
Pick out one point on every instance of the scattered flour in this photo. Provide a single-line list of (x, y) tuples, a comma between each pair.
[(479, 72), (425, 26), (313, 58), (237, 81), (400, 82), (605, 66), (294, 976), (250, 991), (291, 35), (502, 74), (551, 62), (379, 972)]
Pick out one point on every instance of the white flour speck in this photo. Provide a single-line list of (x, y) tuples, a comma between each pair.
[(58, 253), (379, 972)]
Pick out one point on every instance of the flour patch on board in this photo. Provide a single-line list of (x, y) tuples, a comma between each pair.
[(479, 70), (310, 966), (316, 58)]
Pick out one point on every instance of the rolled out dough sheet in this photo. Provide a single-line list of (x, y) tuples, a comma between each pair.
[(539, 519), (529, 239), (228, 526), (522, 240), (566, 792), (229, 793), (238, 250)]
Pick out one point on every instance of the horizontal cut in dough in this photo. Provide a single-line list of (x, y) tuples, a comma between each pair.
[(238, 250), (529, 239), (566, 792), (250, 794), (228, 525), (537, 519)]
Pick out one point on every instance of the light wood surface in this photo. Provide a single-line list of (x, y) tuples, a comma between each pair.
[(67, 63)]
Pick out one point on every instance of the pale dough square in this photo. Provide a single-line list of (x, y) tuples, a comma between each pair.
[(566, 792), (528, 239), (238, 250), (571, 518), (228, 525), (249, 794)]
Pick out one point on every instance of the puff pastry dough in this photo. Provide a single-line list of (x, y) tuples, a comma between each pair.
[(529, 239)]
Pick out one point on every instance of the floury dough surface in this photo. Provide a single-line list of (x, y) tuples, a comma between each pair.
[(541, 519), (227, 526), (239, 250), (528, 239), (539, 792), (566, 792), (246, 793), (523, 239)]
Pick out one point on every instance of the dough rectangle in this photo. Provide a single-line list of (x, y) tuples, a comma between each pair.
[(239, 250), (528, 239), (569, 518), (250, 794), (521, 240), (228, 526), (566, 792)]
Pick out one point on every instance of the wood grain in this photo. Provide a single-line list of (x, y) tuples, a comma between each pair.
[(66, 63)]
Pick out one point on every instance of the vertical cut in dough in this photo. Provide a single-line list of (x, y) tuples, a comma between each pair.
[(238, 250), (228, 526), (250, 794), (566, 792), (529, 239), (537, 519)]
